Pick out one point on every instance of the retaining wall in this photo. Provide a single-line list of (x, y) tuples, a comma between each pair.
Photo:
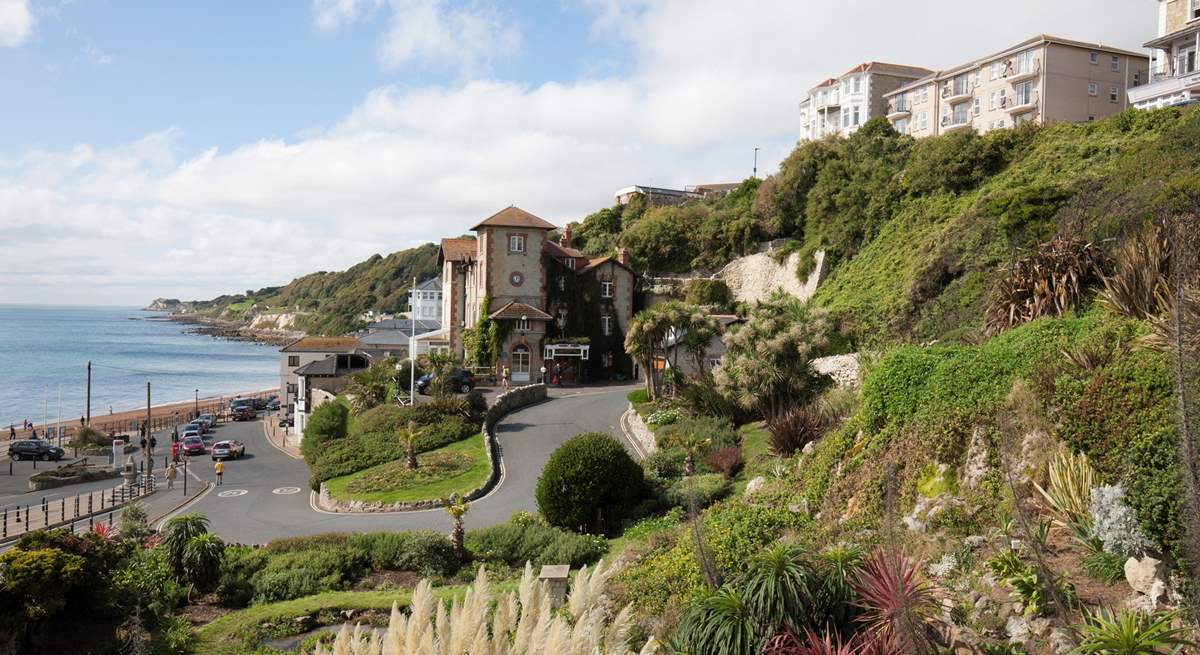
[(505, 404)]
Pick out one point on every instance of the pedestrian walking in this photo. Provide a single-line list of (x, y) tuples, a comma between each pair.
[(12, 432), (143, 442), (170, 474), (153, 443), (504, 373), (557, 374), (35, 433), (219, 469)]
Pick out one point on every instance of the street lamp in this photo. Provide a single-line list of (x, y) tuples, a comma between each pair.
[(197, 402), (543, 371)]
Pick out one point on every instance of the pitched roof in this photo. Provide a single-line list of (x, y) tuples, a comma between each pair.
[(515, 310), (398, 328), (459, 249), (432, 284), (556, 250), (321, 345), (513, 216), (327, 366), (889, 69), (600, 260)]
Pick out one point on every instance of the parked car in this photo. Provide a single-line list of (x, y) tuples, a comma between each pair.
[(460, 380), (259, 403), (244, 413), (273, 404), (241, 402), (34, 449), (228, 450), (286, 421), (190, 431), (193, 446), (199, 426), (210, 419)]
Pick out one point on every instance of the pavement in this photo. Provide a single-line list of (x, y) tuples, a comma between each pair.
[(265, 495)]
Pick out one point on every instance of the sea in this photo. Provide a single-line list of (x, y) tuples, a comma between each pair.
[(44, 352)]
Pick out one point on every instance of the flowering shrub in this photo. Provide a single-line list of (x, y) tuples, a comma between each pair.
[(663, 417), (1113, 522)]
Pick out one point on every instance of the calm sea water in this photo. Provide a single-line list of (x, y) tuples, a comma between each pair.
[(45, 349)]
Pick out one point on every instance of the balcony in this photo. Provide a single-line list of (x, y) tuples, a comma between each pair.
[(956, 93), (1168, 90), (1015, 74), (898, 110), (1017, 104), (951, 124), (829, 102)]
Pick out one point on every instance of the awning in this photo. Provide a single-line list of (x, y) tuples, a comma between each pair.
[(563, 350)]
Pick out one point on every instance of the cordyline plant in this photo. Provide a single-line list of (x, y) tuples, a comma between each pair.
[(899, 606), (767, 364), (521, 623), (1047, 282)]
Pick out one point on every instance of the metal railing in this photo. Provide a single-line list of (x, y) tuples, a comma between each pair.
[(16, 520)]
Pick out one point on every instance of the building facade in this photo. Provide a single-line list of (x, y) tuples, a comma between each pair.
[(504, 276), (425, 301), (302, 352), (1043, 79), (839, 105), (1174, 70)]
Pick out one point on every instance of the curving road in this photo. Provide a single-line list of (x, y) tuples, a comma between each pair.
[(265, 496)]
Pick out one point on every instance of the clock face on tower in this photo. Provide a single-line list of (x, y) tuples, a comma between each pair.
[(516, 278)]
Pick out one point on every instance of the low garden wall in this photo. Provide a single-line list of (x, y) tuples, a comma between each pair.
[(637, 431), (61, 477), (505, 404)]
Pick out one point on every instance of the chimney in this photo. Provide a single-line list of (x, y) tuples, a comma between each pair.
[(564, 239), (623, 257)]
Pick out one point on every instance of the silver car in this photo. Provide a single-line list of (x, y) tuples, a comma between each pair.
[(229, 449)]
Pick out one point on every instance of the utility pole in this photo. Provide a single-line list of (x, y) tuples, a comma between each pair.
[(412, 347), (755, 174), (60, 423), (88, 408), (197, 403), (149, 432)]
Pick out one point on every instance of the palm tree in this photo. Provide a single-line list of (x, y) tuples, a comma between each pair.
[(692, 446), (409, 438), (456, 507), (176, 535), (202, 557)]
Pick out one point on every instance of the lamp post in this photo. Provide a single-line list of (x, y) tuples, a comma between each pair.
[(197, 407), (543, 371), (755, 174)]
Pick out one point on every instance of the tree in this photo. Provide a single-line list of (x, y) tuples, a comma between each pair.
[(692, 445), (781, 200), (41, 578), (328, 423), (175, 537), (410, 437), (202, 555), (457, 506), (589, 481), (648, 332), (767, 365), (374, 386)]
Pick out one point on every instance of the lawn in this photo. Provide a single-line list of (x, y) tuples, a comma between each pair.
[(755, 452), (459, 467)]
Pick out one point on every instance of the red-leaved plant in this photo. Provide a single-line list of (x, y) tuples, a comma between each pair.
[(104, 530), (900, 606), (786, 643)]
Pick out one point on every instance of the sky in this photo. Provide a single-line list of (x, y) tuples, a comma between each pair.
[(190, 149)]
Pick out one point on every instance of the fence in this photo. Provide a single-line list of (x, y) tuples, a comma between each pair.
[(69, 510)]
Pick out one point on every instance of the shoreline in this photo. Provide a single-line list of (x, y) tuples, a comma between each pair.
[(230, 330), (119, 422)]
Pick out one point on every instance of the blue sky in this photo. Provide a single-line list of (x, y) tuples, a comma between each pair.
[(189, 149)]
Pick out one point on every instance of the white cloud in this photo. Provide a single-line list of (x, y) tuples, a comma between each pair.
[(331, 15), (16, 22), (467, 39), (710, 81)]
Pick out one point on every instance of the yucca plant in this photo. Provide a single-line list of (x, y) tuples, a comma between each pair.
[(516, 623), (838, 568), (720, 623), (1046, 282), (1139, 284), (900, 607), (1131, 633), (778, 588), (1069, 492)]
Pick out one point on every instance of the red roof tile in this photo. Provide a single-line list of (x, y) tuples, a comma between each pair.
[(515, 217)]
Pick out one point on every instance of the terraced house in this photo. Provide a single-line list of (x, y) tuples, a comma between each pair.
[(553, 306), (1174, 71), (1042, 80), (839, 105)]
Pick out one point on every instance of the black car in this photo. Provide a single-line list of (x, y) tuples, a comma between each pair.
[(460, 380), (35, 449), (260, 403), (244, 413), (273, 405)]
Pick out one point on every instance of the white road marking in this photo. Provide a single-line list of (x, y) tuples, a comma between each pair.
[(286, 491), (232, 493)]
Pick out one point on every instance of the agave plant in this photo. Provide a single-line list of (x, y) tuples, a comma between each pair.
[(899, 606), (1069, 492), (1131, 633), (1046, 282)]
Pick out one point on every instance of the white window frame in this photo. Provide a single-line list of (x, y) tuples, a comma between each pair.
[(856, 116), (524, 324), (1093, 89), (1113, 94), (977, 106), (1023, 94), (1116, 63), (1003, 96), (992, 101), (994, 70), (606, 289), (1193, 9), (1094, 58), (606, 325), (857, 84), (516, 243)]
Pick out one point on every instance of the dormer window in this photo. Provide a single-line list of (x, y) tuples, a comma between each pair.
[(516, 243), (606, 289)]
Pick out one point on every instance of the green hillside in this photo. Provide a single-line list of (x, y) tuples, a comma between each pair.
[(329, 303)]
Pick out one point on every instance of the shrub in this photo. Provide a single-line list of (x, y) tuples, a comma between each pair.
[(706, 292), (726, 461), (900, 608), (952, 163), (1071, 480), (663, 417), (327, 423), (41, 580), (707, 488), (719, 432), (719, 623), (701, 397), (1105, 567), (653, 525), (296, 573), (1138, 286), (235, 589), (425, 552), (590, 480), (1049, 281), (1113, 523), (664, 464), (144, 583), (638, 396), (795, 429), (514, 543), (1130, 633)]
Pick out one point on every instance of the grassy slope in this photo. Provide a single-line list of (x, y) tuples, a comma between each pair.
[(466, 481)]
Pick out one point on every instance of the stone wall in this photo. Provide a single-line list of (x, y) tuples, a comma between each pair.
[(844, 369), (505, 403), (638, 432)]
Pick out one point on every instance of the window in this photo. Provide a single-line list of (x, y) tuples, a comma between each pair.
[(857, 82), (606, 289), (845, 119), (978, 104), (293, 360), (901, 126), (1112, 94), (992, 70), (962, 84), (569, 263), (1185, 61), (291, 388), (516, 243), (523, 324), (562, 283), (856, 116), (1116, 63), (1194, 9), (606, 325), (1023, 93), (1094, 58), (923, 121), (606, 360), (1003, 100), (562, 318), (1137, 78), (1091, 118), (978, 74), (992, 101), (1025, 62), (1093, 88), (960, 114)]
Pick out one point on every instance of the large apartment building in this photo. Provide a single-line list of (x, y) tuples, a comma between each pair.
[(1174, 69), (839, 105), (1043, 79)]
